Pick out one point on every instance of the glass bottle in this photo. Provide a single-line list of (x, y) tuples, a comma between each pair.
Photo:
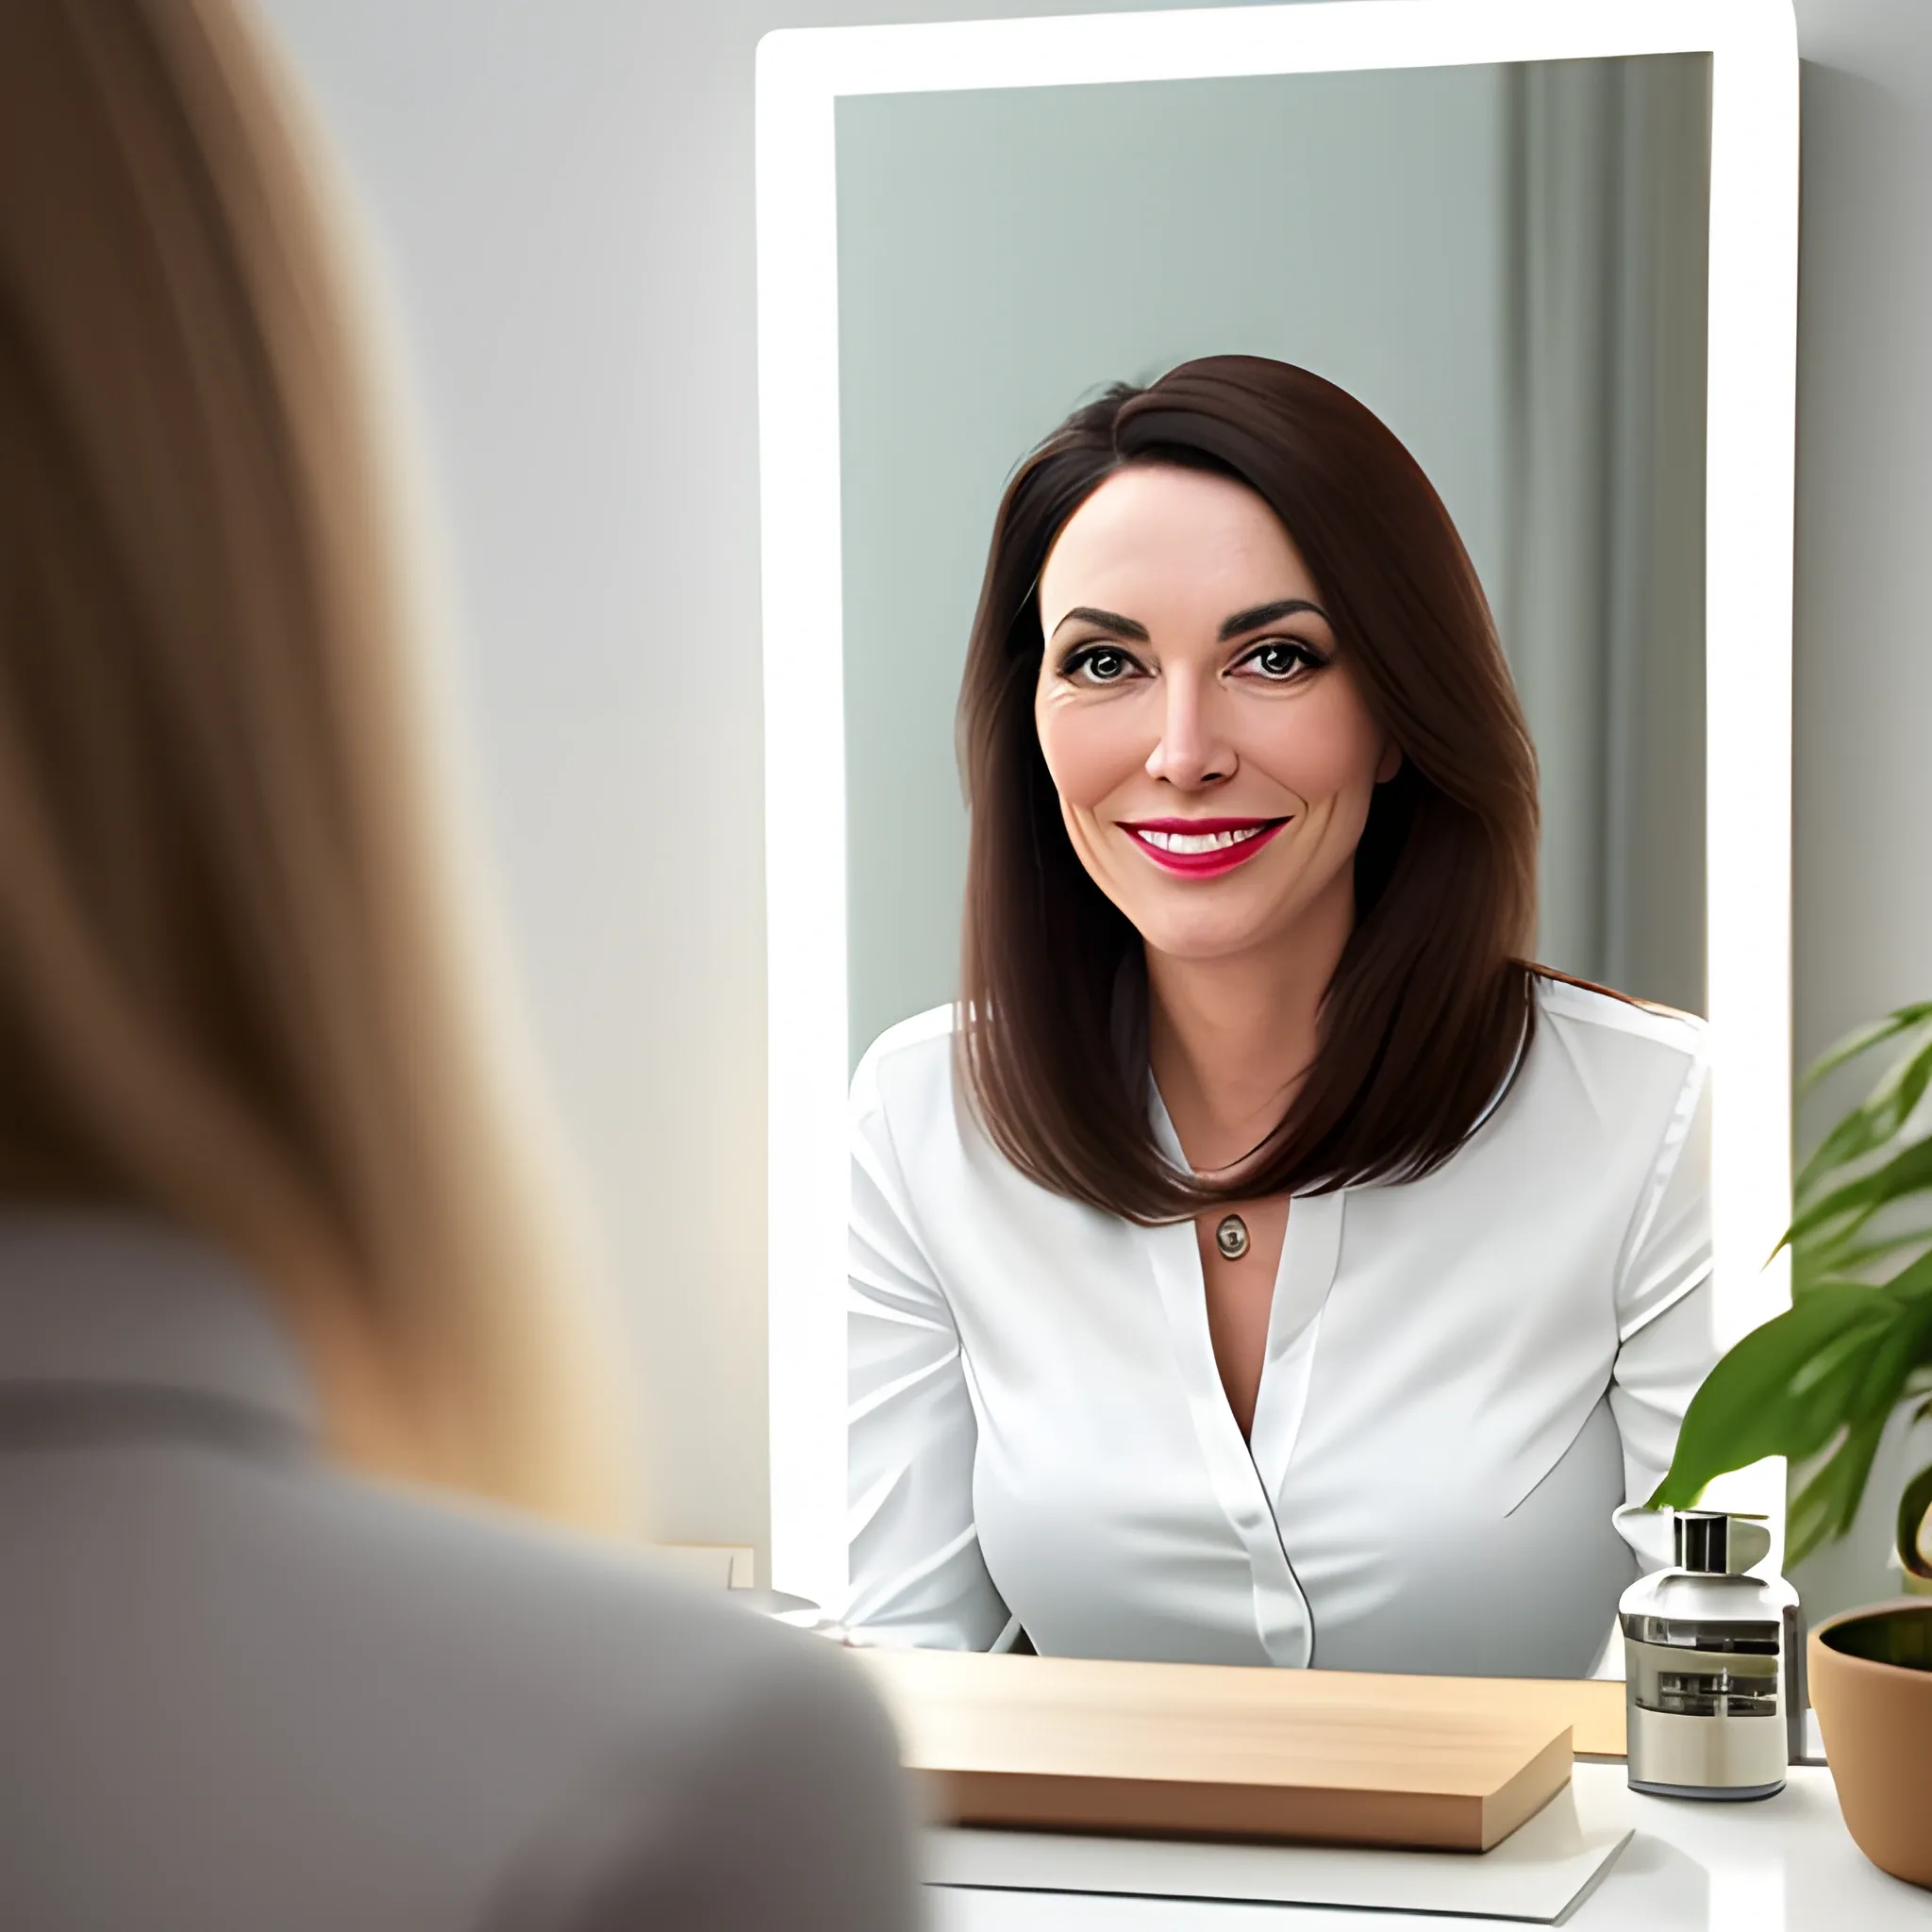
[(1713, 1665)]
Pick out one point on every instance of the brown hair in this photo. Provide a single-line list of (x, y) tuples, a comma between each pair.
[(239, 969), (1429, 1009)]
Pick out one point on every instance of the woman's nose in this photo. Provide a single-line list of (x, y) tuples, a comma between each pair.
[(1192, 749)]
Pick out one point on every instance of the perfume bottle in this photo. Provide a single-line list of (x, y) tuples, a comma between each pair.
[(1713, 1666)]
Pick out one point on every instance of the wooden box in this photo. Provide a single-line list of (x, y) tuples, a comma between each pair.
[(1201, 1750)]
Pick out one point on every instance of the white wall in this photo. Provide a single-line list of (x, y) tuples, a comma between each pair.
[(1864, 664), (564, 190), (1863, 927)]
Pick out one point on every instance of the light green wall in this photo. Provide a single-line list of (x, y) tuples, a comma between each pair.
[(1004, 255)]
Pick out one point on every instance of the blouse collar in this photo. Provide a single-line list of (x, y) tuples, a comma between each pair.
[(115, 1301)]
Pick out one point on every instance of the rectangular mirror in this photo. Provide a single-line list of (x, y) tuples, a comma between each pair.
[(1555, 256)]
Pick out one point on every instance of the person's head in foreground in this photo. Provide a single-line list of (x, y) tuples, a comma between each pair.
[(271, 1205)]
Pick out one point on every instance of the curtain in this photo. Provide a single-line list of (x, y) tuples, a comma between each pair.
[(1601, 607)]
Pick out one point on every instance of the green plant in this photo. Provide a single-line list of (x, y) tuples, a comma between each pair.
[(1819, 1382)]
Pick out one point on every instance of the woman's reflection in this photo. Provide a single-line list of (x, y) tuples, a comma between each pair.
[(1262, 1263)]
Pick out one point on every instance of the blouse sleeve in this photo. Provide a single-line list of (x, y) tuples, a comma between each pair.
[(1666, 1337), (917, 1574)]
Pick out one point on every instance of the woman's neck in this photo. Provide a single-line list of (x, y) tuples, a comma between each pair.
[(1229, 1040)]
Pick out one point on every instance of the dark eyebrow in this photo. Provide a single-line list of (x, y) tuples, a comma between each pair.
[(1245, 621), (1104, 620)]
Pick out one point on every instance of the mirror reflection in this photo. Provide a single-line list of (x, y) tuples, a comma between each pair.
[(1279, 1221)]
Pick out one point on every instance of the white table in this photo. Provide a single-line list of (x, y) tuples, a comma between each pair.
[(1785, 1864)]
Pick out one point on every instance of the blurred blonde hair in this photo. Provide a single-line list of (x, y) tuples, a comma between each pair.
[(237, 985)]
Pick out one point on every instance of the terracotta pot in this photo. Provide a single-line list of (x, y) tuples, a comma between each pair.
[(1871, 1687)]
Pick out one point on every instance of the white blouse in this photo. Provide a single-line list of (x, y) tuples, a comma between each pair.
[(1468, 1379)]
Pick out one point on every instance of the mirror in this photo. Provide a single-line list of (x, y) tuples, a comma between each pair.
[(1528, 261)]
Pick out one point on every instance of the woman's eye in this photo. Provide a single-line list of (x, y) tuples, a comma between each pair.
[(1280, 661), (1100, 665)]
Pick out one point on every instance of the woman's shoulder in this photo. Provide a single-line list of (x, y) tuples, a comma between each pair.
[(626, 1693), (1603, 1021), (908, 1063), (464, 1610), (547, 1712), (1626, 1075)]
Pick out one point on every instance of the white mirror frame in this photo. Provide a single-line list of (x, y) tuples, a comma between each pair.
[(1753, 330)]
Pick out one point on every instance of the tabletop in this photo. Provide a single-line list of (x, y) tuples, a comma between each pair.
[(1782, 1864)]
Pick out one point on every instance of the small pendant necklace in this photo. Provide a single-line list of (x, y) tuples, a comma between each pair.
[(1231, 1237)]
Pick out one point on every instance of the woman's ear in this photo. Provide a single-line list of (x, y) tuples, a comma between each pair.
[(1391, 762)]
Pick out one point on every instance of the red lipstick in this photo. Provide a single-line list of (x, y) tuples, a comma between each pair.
[(1237, 841)]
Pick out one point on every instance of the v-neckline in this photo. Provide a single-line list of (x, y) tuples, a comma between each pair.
[(1247, 1475), (1304, 1273)]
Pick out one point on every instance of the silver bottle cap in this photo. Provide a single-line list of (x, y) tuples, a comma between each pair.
[(1716, 1542)]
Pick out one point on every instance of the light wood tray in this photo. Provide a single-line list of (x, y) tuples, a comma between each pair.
[(1329, 1756)]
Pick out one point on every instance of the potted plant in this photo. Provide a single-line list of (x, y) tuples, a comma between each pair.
[(1818, 1384)]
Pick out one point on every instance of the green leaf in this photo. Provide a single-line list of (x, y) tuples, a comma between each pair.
[(1913, 1282), (1825, 1507), (1846, 1209), (1781, 1390), (1906, 1346), (1862, 1039), (1914, 1548), (1867, 1127), (1816, 1266)]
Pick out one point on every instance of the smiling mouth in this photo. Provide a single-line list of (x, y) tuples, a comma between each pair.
[(1202, 847)]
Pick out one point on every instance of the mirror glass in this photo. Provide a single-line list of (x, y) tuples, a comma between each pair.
[(1508, 265)]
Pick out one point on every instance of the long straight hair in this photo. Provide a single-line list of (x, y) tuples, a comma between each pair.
[(1429, 1009), (238, 960)]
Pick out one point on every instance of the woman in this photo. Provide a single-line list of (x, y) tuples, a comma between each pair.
[(1266, 1266), (269, 1212)]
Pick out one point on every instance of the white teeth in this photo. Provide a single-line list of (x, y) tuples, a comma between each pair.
[(1199, 841)]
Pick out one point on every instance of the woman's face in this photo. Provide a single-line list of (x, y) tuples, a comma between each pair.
[(1214, 758)]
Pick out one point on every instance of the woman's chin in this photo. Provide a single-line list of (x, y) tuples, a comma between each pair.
[(1201, 940)]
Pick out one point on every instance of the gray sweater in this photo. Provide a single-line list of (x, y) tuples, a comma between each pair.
[(241, 1689)]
